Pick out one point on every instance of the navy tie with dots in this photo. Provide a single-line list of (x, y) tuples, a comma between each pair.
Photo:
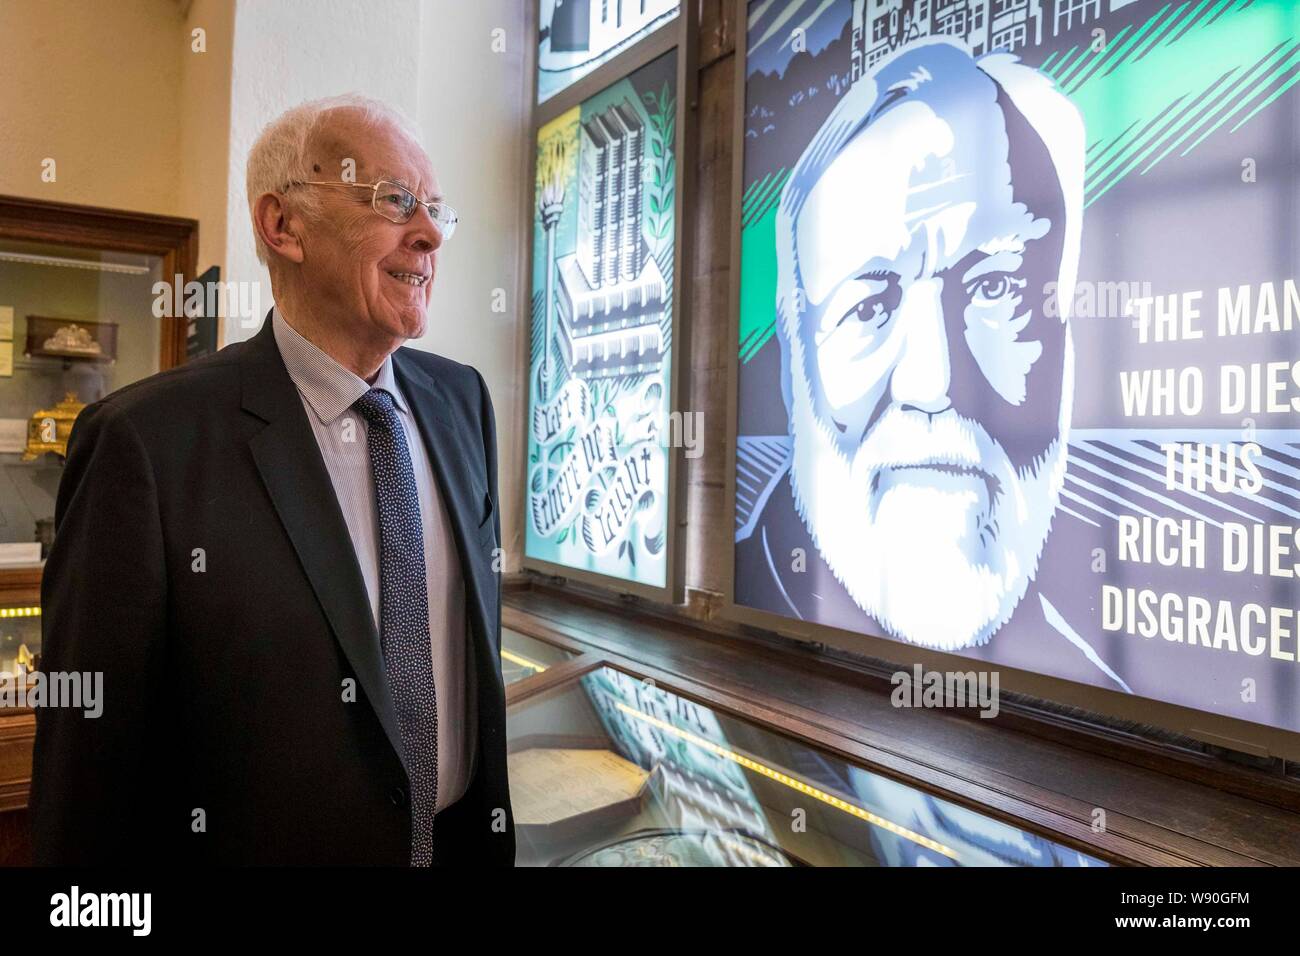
[(404, 611)]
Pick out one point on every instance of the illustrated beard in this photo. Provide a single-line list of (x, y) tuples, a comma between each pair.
[(927, 524)]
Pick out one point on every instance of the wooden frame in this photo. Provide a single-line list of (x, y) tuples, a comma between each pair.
[(1257, 740), (174, 240), (679, 34), (1037, 816)]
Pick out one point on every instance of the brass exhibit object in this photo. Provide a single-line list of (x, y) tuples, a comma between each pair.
[(49, 428)]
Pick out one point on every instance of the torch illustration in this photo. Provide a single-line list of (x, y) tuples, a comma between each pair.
[(552, 164)]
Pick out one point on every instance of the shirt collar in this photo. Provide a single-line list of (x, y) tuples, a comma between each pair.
[(328, 387)]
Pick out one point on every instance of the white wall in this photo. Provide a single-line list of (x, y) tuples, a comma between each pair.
[(473, 109)]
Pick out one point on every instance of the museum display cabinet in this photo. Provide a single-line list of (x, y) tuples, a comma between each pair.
[(643, 738), (80, 316), (611, 769)]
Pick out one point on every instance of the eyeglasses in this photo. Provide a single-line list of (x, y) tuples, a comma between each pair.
[(397, 204)]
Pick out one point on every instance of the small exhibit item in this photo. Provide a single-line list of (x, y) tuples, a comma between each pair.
[(550, 785), (49, 428), (80, 340), (19, 553)]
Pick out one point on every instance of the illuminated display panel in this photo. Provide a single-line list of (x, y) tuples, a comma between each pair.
[(1017, 374), (600, 361), (577, 36)]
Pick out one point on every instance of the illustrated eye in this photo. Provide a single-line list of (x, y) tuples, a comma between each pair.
[(871, 310), (876, 308), (994, 287)]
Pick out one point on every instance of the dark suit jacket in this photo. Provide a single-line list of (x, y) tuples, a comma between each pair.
[(202, 563)]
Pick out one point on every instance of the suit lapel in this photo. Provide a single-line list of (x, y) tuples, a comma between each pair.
[(294, 473), (450, 452)]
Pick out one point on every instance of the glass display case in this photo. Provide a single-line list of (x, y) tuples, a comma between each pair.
[(611, 770), (75, 324), (523, 656)]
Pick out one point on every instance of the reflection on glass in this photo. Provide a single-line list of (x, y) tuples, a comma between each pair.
[(612, 771), (523, 656)]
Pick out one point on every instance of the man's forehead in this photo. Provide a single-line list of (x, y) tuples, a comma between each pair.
[(378, 149), (911, 182)]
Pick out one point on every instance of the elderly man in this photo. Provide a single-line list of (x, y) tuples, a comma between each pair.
[(928, 383), (282, 556)]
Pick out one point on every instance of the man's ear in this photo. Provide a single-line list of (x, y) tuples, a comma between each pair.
[(272, 221)]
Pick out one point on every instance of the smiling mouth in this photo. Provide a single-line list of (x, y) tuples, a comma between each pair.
[(416, 279)]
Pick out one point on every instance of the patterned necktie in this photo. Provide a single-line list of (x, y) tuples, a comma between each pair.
[(404, 611)]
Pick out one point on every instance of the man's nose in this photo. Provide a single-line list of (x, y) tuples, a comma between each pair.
[(922, 374), (422, 233)]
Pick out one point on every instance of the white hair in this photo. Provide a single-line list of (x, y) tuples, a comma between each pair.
[(279, 155), (1060, 127)]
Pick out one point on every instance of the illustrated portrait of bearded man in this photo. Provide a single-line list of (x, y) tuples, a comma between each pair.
[(927, 250)]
